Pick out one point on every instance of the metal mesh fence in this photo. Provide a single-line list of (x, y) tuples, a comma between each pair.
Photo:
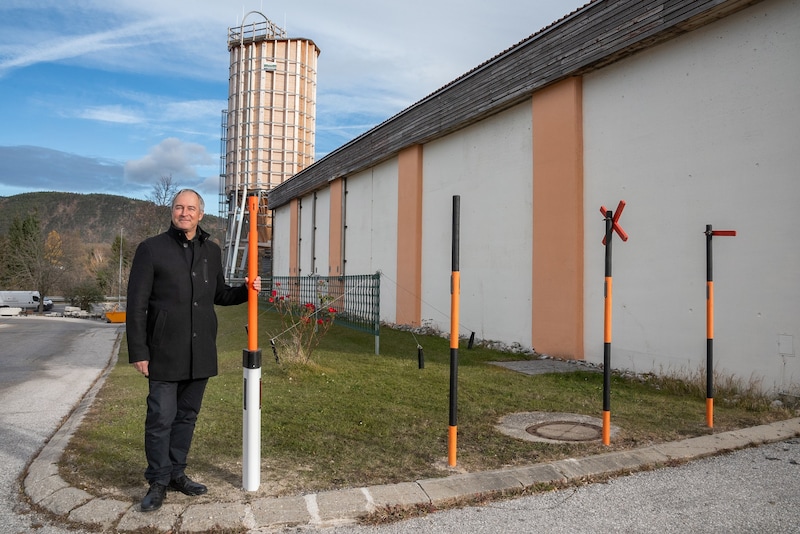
[(356, 298)]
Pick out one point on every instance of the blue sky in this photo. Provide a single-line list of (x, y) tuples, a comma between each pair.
[(100, 96)]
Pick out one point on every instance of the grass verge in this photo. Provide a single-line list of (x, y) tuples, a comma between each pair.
[(353, 419)]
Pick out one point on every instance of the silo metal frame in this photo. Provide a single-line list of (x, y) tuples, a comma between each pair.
[(268, 130)]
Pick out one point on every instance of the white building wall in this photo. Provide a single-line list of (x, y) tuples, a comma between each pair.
[(371, 234), (322, 236), (704, 129), (281, 225), (306, 235), (489, 165)]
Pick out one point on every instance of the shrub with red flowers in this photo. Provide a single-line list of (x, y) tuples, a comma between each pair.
[(304, 324)]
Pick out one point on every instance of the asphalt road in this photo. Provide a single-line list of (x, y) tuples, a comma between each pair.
[(47, 364)]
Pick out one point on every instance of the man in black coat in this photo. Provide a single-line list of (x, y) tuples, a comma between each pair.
[(175, 281)]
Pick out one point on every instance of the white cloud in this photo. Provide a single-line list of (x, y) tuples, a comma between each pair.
[(112, 113), (191, 110), (170, 157), (209, 188), (49, 47), (154, 111)]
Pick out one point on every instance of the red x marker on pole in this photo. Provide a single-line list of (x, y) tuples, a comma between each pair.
[(615, 221)]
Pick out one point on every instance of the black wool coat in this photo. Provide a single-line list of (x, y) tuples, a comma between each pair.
[(170, 318)]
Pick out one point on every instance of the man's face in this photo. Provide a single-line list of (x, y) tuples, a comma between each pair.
[(186, 213)]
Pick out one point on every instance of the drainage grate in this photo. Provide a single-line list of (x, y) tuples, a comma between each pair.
[(566, 431)]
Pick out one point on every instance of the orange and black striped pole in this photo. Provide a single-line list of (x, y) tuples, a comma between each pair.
[(710, 322), (612, 226), (455, 286), (607, 310)]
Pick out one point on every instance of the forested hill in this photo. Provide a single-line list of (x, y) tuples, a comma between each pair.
[(96, 218)]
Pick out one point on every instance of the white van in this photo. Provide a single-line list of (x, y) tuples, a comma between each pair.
[(23, 299)]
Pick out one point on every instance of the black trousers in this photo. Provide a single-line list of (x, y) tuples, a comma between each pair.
[(172, 409)]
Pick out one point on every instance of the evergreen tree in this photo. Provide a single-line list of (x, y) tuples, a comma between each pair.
[(32, 261)]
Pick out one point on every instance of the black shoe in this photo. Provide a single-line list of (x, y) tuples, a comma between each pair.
[(154, 498), (186, 486)]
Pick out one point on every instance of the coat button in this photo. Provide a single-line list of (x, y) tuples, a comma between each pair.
[(194, 303)]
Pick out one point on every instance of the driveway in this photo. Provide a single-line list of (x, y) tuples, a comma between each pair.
[(48, 364)]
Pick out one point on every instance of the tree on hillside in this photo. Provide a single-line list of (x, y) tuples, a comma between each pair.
[(163, 191), (33, 260), (90, 280), (4, 277), (153, 217), (150, 220), (119, 265)]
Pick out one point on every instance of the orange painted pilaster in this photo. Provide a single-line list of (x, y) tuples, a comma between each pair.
[(336, 229), (409, 236), (294, 237), (558, 241)]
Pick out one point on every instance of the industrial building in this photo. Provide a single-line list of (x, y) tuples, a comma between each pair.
[(688, 110)]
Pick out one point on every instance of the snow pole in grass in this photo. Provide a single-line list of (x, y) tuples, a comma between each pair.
[(612, 225), (710, 323), (251, 364), (455, 284)]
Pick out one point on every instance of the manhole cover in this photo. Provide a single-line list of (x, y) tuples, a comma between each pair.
[(566, 431), (553, 427)]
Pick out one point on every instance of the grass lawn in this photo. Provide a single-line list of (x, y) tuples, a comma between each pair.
[(351, 418)]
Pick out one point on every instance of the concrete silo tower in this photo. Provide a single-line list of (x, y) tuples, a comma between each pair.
[(267, 131)]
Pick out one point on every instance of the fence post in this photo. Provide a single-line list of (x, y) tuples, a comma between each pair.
[(376, 310)]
